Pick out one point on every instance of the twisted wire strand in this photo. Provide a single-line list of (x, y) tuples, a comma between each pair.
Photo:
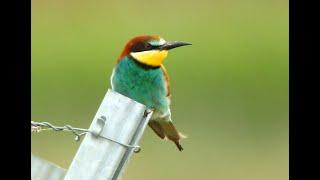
[(78, 132)]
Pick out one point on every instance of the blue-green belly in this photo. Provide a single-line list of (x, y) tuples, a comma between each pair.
[(144, 85)]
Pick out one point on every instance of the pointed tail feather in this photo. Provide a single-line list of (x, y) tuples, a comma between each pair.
[(165, 129), (171, 133), (178, 145)]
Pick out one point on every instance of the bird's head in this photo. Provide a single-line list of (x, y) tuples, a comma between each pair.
[(149, 50)]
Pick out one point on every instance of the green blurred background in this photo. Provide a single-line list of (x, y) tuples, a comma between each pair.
[(229, 89)]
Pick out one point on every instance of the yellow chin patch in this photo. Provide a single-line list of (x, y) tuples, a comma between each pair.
[(151, 58)]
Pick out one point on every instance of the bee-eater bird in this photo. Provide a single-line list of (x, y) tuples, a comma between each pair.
[(141, 76)]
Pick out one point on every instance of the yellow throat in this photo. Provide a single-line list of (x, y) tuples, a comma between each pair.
[(151, 58)]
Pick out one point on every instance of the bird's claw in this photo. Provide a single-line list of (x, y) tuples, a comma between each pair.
[(148, 111)]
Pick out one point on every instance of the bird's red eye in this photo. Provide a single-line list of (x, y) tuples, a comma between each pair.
[(147, 46)]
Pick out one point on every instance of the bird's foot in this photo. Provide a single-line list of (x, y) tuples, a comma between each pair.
[(148, 111)]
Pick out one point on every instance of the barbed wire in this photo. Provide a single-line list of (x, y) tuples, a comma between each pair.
[(78, 132)]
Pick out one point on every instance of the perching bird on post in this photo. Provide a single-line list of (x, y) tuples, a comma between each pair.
[(141, 76)]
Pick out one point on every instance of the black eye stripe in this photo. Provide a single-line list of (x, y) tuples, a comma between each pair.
[(142, 46)]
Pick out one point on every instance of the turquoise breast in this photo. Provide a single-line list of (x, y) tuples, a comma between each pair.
[(140, 83)]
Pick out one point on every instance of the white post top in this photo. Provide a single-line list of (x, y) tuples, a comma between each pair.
[(98, 158)]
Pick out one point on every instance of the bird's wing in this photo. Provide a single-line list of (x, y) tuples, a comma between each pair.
[(167, 79)]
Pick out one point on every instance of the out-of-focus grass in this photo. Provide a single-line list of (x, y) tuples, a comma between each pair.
[(230, 88)]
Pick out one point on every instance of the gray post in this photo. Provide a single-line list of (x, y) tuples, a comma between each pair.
[(99, 158), (45, 170)]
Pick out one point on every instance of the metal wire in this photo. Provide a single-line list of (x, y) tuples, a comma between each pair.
[(78, 132)]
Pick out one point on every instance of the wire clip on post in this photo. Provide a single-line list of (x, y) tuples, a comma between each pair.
[(78, 132)]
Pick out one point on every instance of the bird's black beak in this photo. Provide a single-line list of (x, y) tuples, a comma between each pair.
[(173, 44)]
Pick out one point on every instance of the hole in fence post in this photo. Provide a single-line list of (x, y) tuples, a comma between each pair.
[(101, 121)]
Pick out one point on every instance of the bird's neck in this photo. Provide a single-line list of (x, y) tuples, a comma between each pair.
[(141, 64)]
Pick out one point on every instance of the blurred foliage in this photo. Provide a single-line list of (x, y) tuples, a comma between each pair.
[(229, 89)]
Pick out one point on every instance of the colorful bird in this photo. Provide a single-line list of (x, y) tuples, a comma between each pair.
[(141, 76)]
